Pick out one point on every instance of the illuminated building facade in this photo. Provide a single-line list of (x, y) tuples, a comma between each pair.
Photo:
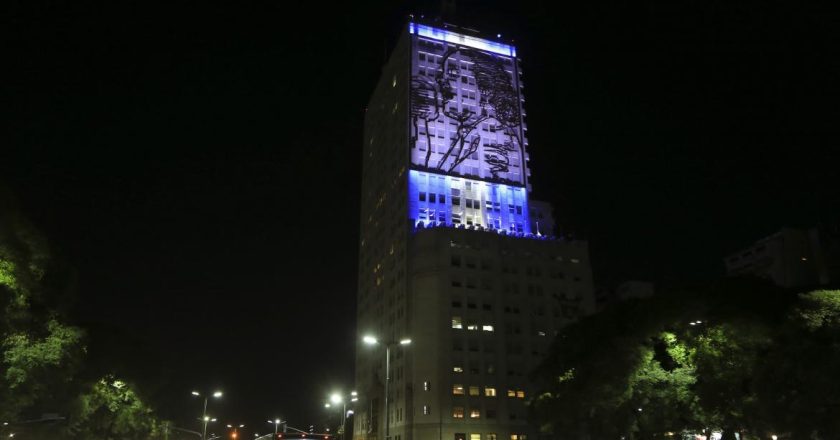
[(453, 254)]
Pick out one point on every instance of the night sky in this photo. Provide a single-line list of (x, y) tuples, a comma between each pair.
[(198, 163)]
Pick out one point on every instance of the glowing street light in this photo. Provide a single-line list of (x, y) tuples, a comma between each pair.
[(335, 399), (235, 428), (204, 417), (372, 340), (276, 422)]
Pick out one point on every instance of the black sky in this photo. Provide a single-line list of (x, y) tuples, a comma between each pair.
[(198, 162)]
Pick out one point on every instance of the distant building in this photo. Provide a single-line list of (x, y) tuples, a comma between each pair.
[(453, 252), (634, 289), (604, 296), (790, 258)]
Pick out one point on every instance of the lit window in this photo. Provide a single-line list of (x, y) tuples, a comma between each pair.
[(511, 393), (457, 369), (520, 394), (427, 410), (474, 391), (458, 412), (394, 81), (456, 322), (426, 385), (458, 390), (491, 436), (475, 436), (475, 414), (489, 392), (472, 327), (487, 328)]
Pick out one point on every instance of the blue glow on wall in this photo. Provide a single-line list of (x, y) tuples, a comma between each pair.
[(437, 200), (465, 40)]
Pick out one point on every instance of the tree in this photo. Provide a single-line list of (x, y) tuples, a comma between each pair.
[(684, 360), (110, 409), (44, 366), (800, 394), (39, 353)]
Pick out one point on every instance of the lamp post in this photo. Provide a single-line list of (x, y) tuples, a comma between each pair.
[(276, 423), (204, 417), (335, 399), (371, 340), (235, 428)]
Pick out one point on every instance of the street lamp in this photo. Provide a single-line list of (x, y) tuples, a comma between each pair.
[(276, 423), (335, 399), (204, 417), (235, 428), (372, 340)]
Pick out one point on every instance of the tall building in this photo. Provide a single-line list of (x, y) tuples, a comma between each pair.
[(790, 258), (453, 254)]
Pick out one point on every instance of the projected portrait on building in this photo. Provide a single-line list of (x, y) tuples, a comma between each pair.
[(465, 113)]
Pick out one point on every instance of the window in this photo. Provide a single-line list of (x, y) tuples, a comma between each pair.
[(458, 413), (426, 385), (456, 201), (474, 391), (442, 198), (520, 394), (456, 322), (487, 328), (457, 304), (422, 197), (427, 410), (489, 391), (456, 261), (460, 436), (511, 393), (475, 413), (490, 413), (491, 436), (458, 390), (475, 436), (457, 369), (472, 326), (432, 198)]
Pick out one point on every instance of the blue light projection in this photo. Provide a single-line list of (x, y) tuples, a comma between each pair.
[(438, 200), (464, 40)]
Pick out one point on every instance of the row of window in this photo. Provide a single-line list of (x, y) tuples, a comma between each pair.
[(460, 390), (488, 436), (458, 324)]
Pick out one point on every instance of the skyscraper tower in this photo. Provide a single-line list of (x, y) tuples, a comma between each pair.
[(453, 254)]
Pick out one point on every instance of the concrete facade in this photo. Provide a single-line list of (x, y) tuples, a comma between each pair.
[(466, 274)]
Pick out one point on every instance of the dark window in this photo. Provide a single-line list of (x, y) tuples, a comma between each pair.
[(422, 197), (432, 197)]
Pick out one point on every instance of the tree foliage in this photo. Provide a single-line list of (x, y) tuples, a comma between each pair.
[(734, 357), (43, 365), (110, 409)]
